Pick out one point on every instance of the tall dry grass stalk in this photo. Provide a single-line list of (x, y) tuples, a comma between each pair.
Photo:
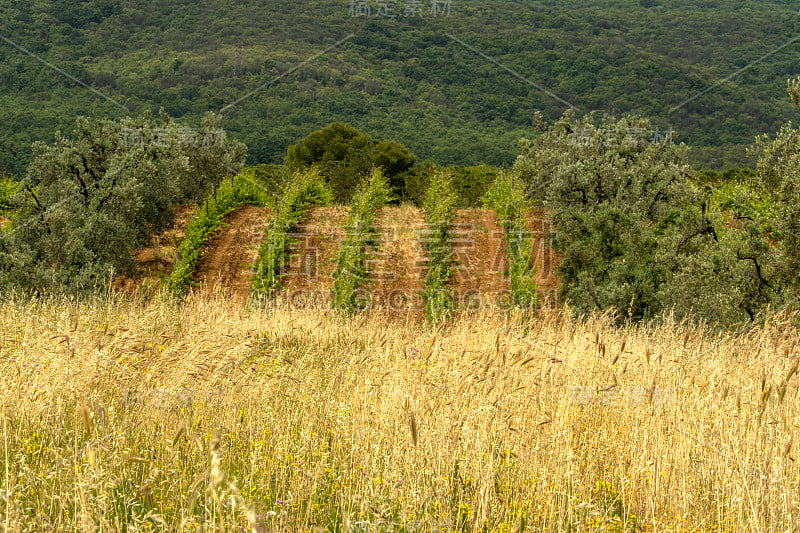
[(493, 423)]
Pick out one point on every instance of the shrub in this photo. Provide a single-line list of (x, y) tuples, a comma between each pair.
[(440, 208), (360, 236), (270, 177), (717, 267), (210, 157), (612, 195), (299, 196), (469, 183), (575, 164), (507, 197), (640, 236), (608, 262), (88, 201), (778, 181), (8, 188)]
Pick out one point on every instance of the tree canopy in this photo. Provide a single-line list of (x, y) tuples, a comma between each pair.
[(403, 79), (640, 236), (345, 155), (89, 200)]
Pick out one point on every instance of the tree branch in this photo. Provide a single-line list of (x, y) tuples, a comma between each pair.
[(84, 190), (758, 267)]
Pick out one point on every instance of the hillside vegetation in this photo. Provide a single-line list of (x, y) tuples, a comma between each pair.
[(403, 79)]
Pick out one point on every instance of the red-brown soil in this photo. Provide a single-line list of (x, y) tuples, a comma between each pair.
[(308, 276), (157, 259), (227, 259), (397, 270), (481, 270)]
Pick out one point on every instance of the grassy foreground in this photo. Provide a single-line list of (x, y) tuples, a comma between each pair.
[(131, 416)]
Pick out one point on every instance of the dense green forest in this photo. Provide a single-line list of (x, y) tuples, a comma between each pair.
[(411, 79)]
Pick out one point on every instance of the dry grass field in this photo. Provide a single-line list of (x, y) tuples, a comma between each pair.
[(124, 415)]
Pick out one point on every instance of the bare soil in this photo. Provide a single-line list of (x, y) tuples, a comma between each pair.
[(309, 271), (157, 259), (398, 267), (227, 259), (481, 270), (397, 270)]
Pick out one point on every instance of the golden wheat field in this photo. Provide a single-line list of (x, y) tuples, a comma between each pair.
[(126, 415)]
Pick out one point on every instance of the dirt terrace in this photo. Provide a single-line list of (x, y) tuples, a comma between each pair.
[(397, 269), (227, 259)]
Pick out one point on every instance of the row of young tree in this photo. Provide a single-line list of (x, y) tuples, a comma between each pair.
[(88, 201)]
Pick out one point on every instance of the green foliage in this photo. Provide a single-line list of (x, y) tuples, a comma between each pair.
[(90, 200), (716, 268), (394, 160), (609, 194), (8, 188), (361, 236), (400, 79), (209, 216), (720, 262), (210, 157), (304, 191), (731, 176), (259, 186), (440, 205), (343, 154), (742, 201), (777, 190), (270, 178), (470, 183), (748, 259), (608, 262), (640, 236), (577, 164), (508, 198)]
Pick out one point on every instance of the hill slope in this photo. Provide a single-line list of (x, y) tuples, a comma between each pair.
[(418, 80)]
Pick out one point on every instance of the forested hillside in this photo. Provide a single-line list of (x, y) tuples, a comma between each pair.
[(412, 79)]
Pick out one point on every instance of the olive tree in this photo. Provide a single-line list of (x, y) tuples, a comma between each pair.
[(637, 234), (89, 200)]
